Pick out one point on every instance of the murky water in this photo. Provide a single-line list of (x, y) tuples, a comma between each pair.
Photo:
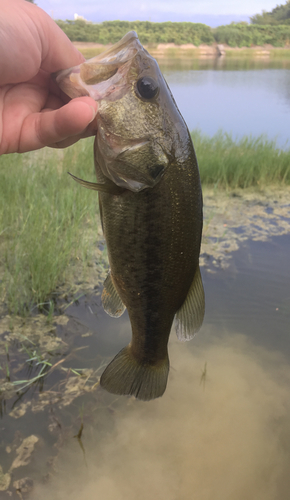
[(241, 97), (222, 428)]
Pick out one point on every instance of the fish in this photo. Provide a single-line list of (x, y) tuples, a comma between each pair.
[(150, 202)]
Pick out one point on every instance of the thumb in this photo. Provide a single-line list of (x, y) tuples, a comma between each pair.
[(58, 128)]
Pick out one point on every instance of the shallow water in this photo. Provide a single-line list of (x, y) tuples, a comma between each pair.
[(221, 430), (241, 97)]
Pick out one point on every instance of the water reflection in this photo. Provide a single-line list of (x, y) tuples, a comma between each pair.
[(222, 63), (242, 97), (241, 102)]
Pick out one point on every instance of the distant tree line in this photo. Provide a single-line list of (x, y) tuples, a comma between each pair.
[(235, 34), (241, 35), (148, 32), (279, 15)]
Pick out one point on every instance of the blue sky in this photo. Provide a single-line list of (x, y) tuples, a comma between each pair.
[(212, 12)]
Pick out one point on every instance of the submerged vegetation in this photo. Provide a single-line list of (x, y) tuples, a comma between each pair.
[(48, 224)]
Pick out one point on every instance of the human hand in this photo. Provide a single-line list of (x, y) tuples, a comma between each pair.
[(34, 112)]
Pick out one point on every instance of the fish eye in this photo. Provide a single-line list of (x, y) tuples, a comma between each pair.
[(147, 87)]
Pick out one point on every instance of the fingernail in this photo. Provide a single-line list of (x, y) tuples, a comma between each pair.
[(94, 112)]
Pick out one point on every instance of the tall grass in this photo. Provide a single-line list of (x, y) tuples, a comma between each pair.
[(43, 219), (46, 219), (246, 162)]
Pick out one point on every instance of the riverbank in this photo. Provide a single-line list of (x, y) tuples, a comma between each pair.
[(203, 51)]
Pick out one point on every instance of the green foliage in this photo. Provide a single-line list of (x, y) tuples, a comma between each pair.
[(279, 15), (240, 35), (242, 163), (235, 34), (148, 32), (43, 218)]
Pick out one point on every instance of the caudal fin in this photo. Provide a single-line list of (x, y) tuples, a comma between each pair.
[(126, 376)]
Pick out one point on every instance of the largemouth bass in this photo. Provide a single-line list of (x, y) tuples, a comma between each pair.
[(151, 210)]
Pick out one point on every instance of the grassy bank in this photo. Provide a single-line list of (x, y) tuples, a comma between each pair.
[(44, 221), (48, 225), (246, 162)]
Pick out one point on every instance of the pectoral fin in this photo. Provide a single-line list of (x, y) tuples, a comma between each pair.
[(189, 317), (109, 187), (111, 301)]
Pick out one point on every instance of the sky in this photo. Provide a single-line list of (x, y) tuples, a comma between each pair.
[(211, 12)]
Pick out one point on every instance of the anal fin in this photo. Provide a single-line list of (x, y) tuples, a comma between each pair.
[(111, 301), (189, 317)]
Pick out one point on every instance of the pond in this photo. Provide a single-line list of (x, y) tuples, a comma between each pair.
[(237, 96), (222, 428)]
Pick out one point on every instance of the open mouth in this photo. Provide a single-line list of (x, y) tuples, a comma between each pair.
[(103, 76)]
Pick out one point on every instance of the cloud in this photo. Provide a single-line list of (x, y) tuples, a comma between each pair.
[(228, 438)]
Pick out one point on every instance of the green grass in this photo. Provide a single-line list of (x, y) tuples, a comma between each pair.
[(280, 53), (243, 163), (44, 218), (48, 227), (248, 53)]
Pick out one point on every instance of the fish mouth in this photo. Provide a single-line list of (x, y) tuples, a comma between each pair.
[(102, 77)]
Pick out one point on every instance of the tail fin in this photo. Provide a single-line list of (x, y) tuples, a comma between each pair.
[(125, 375)]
